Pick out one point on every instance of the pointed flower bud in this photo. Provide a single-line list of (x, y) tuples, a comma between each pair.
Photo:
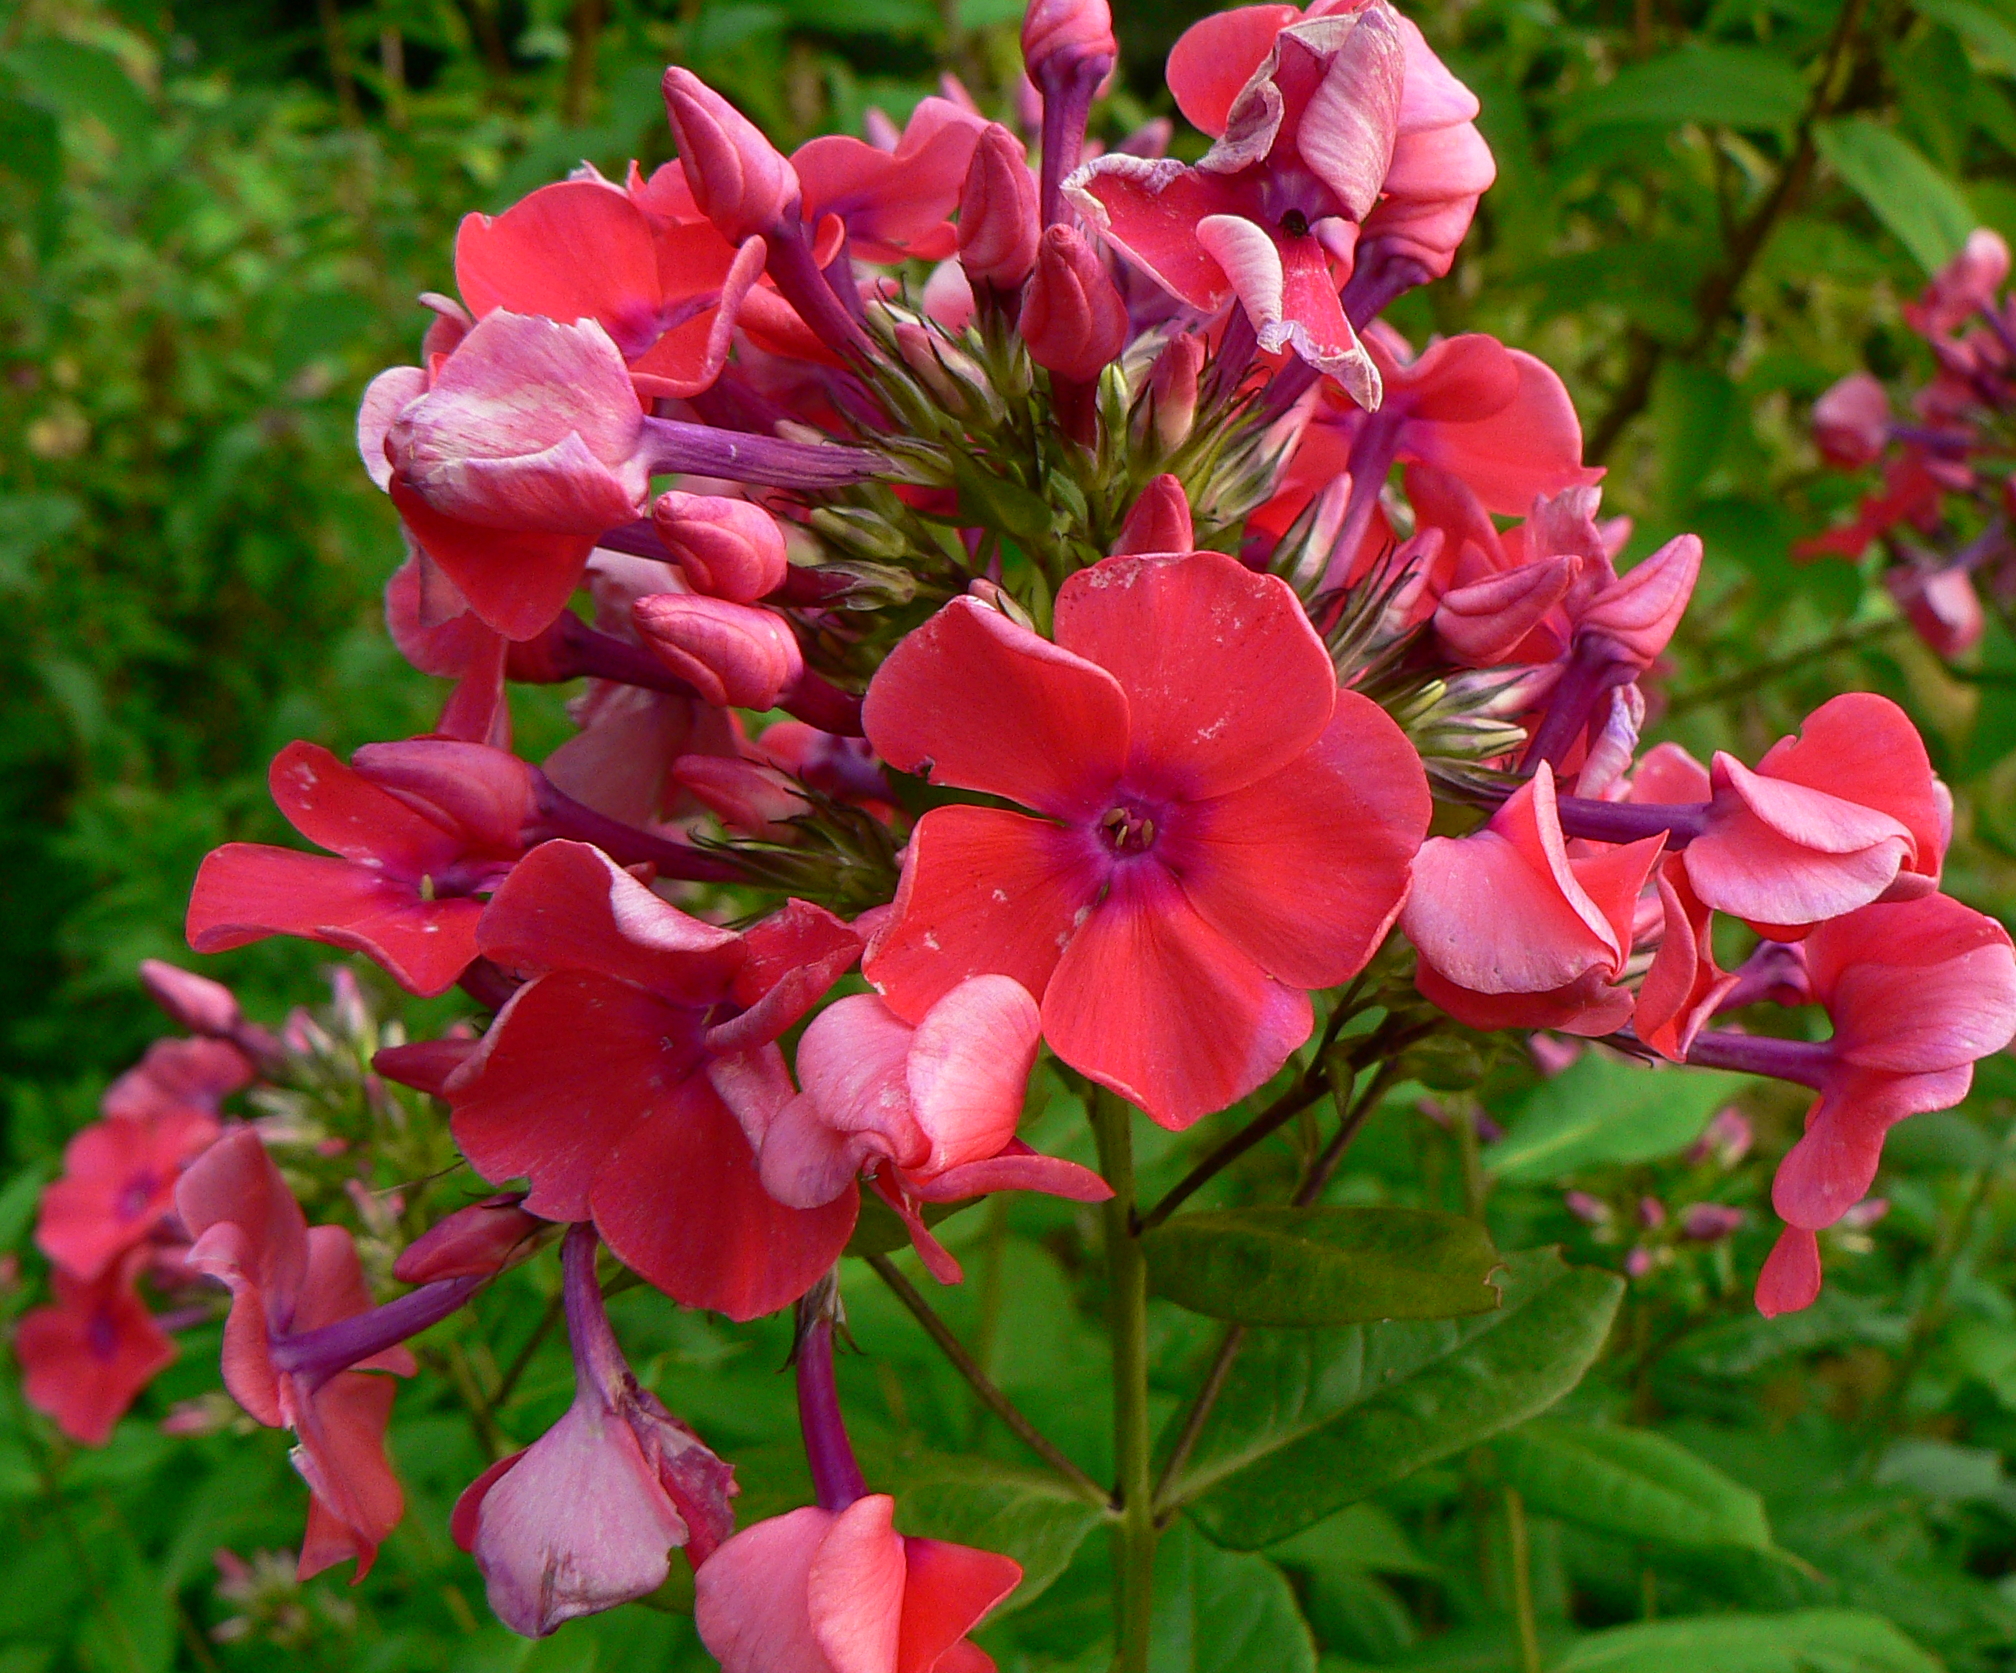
[(735, 655), (1172, 389), (1072, 317), (474, 1242), (197, 1003), (1634, 617), (745, 796), (740, 181), (1849, 422), (998, 228), (1064, 39), (1159, 521), (727, 548)]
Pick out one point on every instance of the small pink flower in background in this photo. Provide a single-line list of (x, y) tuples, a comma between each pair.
[(422, 830), (117, 1186), (821, 1591), (86, 1359), (1223, 828)]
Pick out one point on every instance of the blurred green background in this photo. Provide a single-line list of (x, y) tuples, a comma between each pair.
[(215, 217)]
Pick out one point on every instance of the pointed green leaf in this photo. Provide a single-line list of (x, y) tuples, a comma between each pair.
[(1730, 86), (1603, 1110), (1323, 1266), (1632, 1482), (1313, 1420), (1223, 1612), (1927, 212), (1804, 1641)]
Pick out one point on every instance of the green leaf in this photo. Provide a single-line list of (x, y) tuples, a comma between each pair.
[(1606, 1109), (1929, 214), (1805, 1641), (1223, 1612), (1323, 1266), (996, 503), (19, 1198), (80, 80), (1731, 86), (1631, 1482), (1311, 1421), (1020, 1513), (1989, 35)]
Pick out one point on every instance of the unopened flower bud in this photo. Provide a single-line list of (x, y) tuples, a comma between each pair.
[(740, 181), (1591, 1211), (1065, 39), (745, 796), (1651, 1213), (1634, 617), (197, 1003), (1709, 1222), (1072, 316), (1849, 422), (727, 548), (998, 228), (1639, 1263), (1865, 1214), (954, 378), (473, 1242), (735, 655), (1172, 390), (1726, 1139), (1159, 520)]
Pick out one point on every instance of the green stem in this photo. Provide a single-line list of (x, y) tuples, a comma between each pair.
[(1127, 1303), (1519, 1555)]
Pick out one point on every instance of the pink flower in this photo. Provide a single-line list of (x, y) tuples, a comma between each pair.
[(1942, 605), (740, 181), (1847, 813), (1917, 991), (1963, 287), (666, 287), (1514, 932), (1301, 156), (998, 227), (597, 1080), (585, 1517), (929, 1112), (726, 548), (178, 1078), (474, 1242), (1221, 827), (1684, 987), (1851, 422), (1073, 319), (896, 203), (735, 655), (288, 1280), (413, 856), (118, 1185), (85, 1360), (821, 1591)]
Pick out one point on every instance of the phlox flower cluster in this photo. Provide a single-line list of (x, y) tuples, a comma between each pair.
[(1029, 602), (1942, 514)]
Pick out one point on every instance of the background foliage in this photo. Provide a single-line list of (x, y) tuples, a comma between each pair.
[(214, 216)]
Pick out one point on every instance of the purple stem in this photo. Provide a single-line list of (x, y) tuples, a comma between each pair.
[(675, 447), (1681, 822), (1371, 457), (560, 815), (1803, 1061), (818, 702), (2000, 326), (798, 276), (317, 1355), (1775, 971), (598, 1357), (1590, 672), (1067, 102), (836, 1478)]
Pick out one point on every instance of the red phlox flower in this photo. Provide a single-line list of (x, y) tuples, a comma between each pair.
[(896, 202), (1275, 204), (1917, 991), (1684, 987), (1961, 289), (649, 268), (938, 1104), (85, 1360), (1440, 164), (117, 1186), (178, 1077), (821, 1591), (286, 1279), (1219, 828), (1514, 931), (431, 622), (473, 1242), (1847, 813), (584, 1518), (598, 1080), (1911, 494), (420, 828)]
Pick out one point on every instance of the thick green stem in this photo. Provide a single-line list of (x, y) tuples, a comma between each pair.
[(1127, 1312)]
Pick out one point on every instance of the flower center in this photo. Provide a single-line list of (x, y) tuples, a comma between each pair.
[(1127, 830), (1295, 224)]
